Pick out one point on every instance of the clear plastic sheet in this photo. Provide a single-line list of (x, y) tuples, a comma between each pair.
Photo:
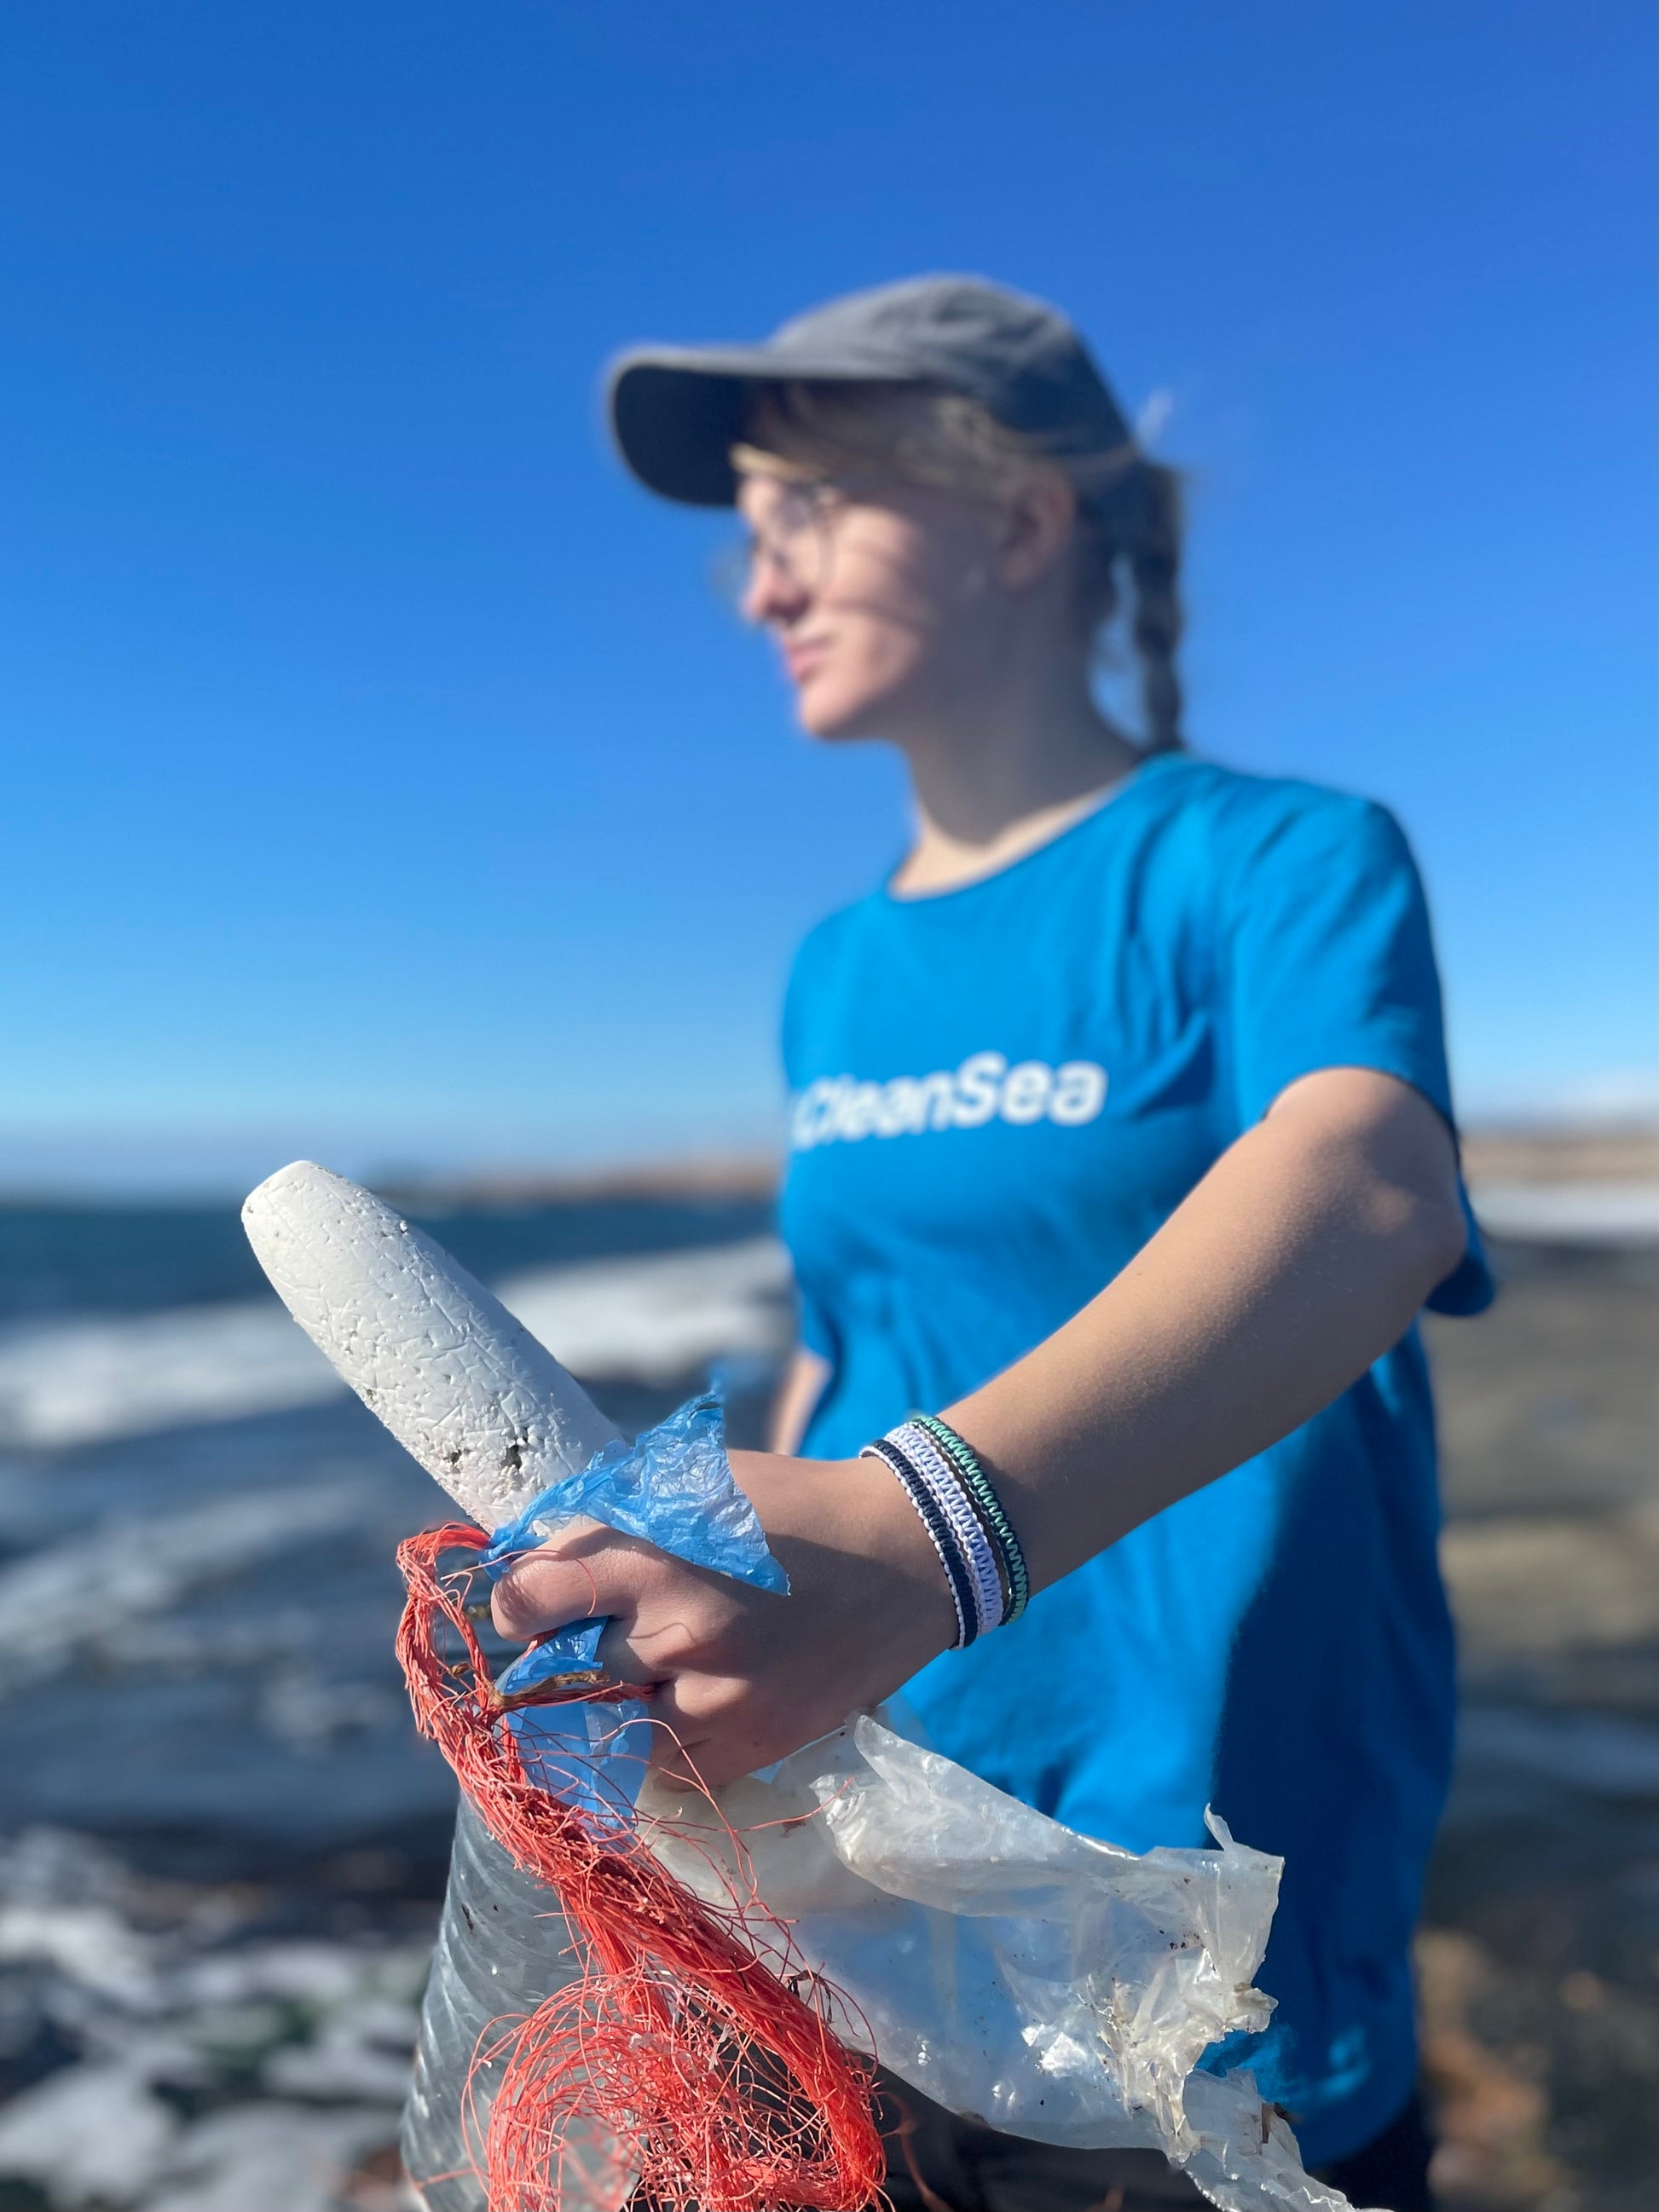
[(1013, 1971), (503, 1947)]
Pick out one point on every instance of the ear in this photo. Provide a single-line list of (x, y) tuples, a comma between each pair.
[(1037, 527)]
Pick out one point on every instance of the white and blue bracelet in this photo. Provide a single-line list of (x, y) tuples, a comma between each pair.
[(956, 1504)]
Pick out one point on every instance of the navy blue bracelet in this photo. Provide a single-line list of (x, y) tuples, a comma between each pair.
[(956, 1572)]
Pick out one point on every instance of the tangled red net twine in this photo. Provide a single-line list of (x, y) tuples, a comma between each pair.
[(727, 2090)]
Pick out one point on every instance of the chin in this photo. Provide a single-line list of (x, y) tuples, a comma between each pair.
[(834, 718)]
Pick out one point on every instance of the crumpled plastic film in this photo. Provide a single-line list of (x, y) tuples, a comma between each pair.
[(1012, 1969)]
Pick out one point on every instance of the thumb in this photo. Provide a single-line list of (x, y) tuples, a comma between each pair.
[(572, 1578)]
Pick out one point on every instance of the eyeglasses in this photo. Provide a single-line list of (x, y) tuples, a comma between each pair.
[(798, 541)]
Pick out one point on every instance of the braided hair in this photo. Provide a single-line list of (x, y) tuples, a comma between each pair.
[(1138, 531)]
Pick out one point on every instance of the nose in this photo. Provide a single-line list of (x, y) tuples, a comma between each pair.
[(773, 593)]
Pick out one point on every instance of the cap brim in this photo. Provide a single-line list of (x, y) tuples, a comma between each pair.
[(677, 411)]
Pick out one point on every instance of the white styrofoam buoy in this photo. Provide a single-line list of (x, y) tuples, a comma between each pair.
[(488, 1412)]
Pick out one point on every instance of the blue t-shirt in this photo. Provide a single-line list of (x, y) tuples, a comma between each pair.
[(1000, 1092)]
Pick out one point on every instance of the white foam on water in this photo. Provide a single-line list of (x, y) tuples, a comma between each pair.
[(266, 2158), (78, 1382), (647, 1319), (185, 2010), (90, 2134), (83, 1593), (654, 1320)]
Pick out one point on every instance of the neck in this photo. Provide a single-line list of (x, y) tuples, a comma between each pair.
[(995, 777)]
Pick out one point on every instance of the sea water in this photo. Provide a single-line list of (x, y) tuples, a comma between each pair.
[(197, 1522)]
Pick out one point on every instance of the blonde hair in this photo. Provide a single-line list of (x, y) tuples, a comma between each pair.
[(1129, 509)]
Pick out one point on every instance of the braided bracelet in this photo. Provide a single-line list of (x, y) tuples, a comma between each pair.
[(974, 1544), (939, 1534), (954, 1500), (977, 1483)]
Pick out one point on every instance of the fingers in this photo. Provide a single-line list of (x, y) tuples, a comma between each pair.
[(688, 1711), (699, 1644), (540, 1594), (622, 1659), (665, 1616), (709, 1729), (576, 1577), (549, 1593)]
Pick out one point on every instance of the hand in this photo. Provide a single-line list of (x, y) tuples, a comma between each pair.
[(742, 1676)]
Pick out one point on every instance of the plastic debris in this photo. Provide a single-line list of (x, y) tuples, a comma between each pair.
[(686, 1991)]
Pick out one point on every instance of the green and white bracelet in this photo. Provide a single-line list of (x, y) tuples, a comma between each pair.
[(988, 1506), (965, 1519)]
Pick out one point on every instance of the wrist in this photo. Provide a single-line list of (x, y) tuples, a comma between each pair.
[(847, 1535), (890, 1536)]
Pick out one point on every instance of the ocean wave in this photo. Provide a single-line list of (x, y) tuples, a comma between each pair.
[(75, 1382), (648, 1320), (653, 1320), (88, 1592)]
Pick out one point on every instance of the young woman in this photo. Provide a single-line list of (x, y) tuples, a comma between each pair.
[(1123, 1140)]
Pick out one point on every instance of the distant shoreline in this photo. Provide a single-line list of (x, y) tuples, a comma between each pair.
[(715, 1176), (1541, 1152), (1538, 1153)]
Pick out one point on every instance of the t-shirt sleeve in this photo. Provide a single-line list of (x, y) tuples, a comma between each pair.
[(1328, 962)]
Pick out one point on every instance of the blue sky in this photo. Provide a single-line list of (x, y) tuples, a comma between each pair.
[(386, 780)]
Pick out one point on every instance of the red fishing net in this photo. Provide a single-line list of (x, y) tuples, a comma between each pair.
[(723, 2088)]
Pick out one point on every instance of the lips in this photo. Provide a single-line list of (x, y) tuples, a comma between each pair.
[(802, 658)]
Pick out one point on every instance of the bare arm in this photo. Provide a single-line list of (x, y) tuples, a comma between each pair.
[(1298, 1260), (798, 1393)]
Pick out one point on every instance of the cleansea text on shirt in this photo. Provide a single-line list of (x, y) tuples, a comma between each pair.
[(984, 1088)]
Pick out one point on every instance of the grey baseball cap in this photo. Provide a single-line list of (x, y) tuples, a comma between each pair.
[(675, 411)]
